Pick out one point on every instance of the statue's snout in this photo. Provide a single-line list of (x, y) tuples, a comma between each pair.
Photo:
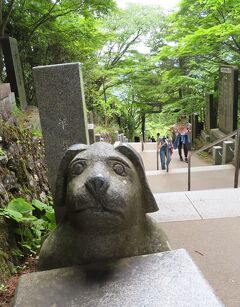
[(97, 184)]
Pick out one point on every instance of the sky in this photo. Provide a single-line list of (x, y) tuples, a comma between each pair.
[(165, 4)]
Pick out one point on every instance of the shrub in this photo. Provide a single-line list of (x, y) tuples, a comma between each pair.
[(31, 221)]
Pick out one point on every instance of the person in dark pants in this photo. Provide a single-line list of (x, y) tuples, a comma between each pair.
[(165, 146), (182, 129)]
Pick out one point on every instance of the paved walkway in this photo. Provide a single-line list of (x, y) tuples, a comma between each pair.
[(197, 205), (204, 175), (149, 156), (214, 246), (207, 225)]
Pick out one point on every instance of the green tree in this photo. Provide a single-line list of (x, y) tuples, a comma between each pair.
[(202, 35), (121, 84), (54, 31)]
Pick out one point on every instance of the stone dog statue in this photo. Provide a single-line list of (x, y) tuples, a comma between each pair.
[(106, 196)]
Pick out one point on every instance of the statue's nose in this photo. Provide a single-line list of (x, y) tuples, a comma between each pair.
[(97, 184)]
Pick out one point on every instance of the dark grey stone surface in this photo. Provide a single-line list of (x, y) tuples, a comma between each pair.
[(5, 108), (97, 137), (194, 123), (217, 155), (6, 101), (168, 279), (216, 134), (205, 136), (14, 69), (211, 112), (228, 98), (61, 103), (105, 194), (228, 151), (5, 90)]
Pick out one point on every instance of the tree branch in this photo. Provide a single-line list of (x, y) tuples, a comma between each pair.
[(48, 16), (8, 14), (235, 42), (124, 50)]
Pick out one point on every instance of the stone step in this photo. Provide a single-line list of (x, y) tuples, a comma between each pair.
[(202, 178), (197, 205), (194, 169)]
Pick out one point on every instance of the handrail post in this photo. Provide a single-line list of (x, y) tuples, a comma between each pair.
[(142, 145), (157, 160), (189, 173), (237, 151)]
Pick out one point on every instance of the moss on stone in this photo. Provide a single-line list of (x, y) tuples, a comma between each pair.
[(24, 175)]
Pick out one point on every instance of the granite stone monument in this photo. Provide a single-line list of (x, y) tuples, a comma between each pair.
[(14, 70), (211, 112), (61, 103), (228, 98), (106, 196)]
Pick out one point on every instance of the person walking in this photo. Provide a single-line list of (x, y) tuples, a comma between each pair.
[(166, 147), (182, 129)]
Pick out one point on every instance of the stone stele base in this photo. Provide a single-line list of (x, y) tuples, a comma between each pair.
[(163, 279)]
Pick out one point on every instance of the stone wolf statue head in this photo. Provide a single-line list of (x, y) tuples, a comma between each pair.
[(106, 197)]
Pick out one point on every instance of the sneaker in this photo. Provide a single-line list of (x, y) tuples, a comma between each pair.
[(186, 160), (181, 159)]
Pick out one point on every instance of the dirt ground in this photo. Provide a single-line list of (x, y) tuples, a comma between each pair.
[(7, 293)]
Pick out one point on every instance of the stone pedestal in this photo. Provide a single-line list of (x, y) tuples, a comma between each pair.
[(163, 279), (217, 155), (227, 152)]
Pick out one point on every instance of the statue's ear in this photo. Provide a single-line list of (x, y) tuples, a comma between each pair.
[(149, 202), (61, 181)]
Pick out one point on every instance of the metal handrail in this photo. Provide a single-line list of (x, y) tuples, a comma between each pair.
[(157, 159), (236, 132)]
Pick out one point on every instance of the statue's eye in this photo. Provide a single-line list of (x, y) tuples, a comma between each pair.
[(77, 168), (119, 169)]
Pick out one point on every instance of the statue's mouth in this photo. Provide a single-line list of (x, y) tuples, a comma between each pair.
[(98, 210)]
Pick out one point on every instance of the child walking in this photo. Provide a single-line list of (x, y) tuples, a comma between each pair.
[(166, 149)]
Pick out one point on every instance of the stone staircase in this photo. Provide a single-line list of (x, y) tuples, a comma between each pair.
[(202, 178), (204, 175), (205, 221), (207, 224)]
